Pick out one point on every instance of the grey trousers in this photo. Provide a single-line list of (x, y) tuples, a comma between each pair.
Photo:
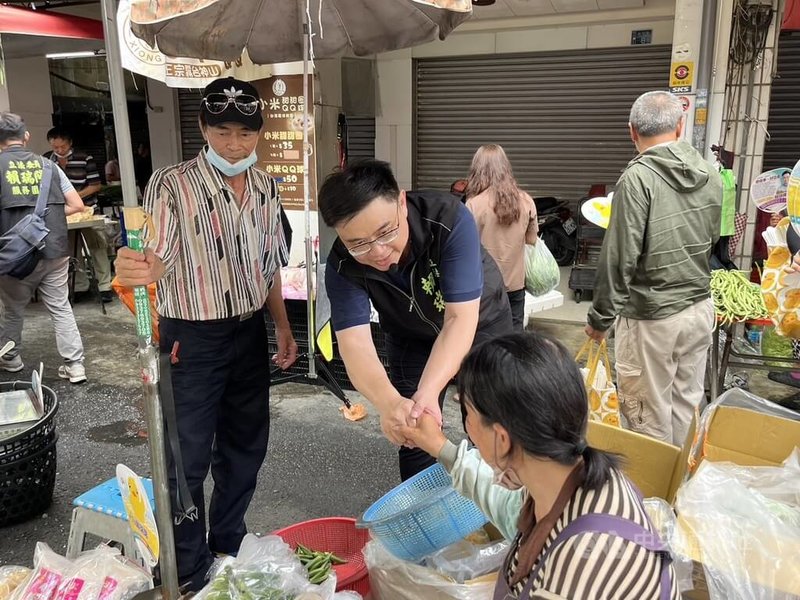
[(661, 370), (50, 278), (98, 246)]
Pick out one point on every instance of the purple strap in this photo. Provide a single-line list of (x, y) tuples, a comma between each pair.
[(599, 523)]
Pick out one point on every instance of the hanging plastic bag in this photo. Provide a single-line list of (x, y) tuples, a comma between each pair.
[(541, 269), (602, 393)]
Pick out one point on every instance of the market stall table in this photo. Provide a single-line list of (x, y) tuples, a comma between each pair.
[(731, 358), (79, 245)]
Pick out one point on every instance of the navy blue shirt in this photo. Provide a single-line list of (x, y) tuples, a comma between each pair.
[(460, 267)]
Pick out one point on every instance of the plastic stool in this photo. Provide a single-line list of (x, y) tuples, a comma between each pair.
[(100, 512)]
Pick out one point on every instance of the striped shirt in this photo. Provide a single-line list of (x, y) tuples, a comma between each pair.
[(220, 256), (80, 169), (598, 566)]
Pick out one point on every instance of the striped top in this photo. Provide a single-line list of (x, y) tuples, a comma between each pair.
[(80, 169), (220, 257), (596, 566)]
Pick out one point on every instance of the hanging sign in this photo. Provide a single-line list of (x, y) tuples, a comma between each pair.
[(280, 149)]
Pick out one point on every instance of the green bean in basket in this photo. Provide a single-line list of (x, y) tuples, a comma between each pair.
[(735, 297), (318, 564)]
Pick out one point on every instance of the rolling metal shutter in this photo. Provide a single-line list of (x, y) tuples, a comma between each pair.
[(783, 147), (561, 116), (360, 137), (188, 109)]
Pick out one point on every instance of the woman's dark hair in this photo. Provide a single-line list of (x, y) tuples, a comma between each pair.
[(531, 385), (345, 193)]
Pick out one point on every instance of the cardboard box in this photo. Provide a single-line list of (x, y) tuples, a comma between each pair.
[(750, 438), (657, 468)]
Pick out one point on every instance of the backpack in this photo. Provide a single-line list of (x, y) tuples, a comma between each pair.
[(21, 246)]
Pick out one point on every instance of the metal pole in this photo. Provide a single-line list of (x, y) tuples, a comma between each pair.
[(307, 113), (704, 70), (148, 355)]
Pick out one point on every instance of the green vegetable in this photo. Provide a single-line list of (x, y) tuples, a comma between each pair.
[(736, 298), (318, 564), (247, 585)]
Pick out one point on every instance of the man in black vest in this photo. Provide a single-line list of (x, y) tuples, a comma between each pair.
[(82, 171), (21, 173), (417, 258)]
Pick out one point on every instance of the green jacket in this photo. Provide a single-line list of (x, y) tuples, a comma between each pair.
[(665, 220)]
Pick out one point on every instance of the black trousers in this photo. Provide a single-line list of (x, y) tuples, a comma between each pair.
[(407, 360), (221, 389), (517, 301)]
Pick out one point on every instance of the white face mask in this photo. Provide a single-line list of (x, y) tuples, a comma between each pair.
[(228, 168), (62, 156), (506, 478)]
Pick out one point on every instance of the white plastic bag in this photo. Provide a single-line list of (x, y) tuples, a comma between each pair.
[(50, 570), (541, 269), (743, 525), (464, 560), (268, 569), (394, 579)]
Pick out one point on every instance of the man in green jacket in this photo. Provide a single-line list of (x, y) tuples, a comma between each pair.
[(653, 274)]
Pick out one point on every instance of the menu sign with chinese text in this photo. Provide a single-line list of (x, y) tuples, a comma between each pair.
[(280, 150)]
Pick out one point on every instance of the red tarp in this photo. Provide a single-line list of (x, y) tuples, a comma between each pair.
[(791, 16), (41, 22)]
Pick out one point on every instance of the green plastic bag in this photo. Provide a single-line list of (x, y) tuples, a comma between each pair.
[(541, 269)]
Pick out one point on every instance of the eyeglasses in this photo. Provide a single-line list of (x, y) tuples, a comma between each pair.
[(382, 240), (244, 103)]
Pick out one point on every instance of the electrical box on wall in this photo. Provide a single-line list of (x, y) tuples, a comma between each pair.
[(641, 36)]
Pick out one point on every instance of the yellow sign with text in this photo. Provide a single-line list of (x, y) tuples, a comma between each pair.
[(681, 75)]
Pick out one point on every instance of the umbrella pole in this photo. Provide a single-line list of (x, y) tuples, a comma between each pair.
[(148, 354), (307, 112)]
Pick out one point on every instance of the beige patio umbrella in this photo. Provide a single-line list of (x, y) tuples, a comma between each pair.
[(273, 31)]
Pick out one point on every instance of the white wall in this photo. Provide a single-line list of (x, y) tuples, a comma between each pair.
[(28, 81), (163, 121), (599, 29)]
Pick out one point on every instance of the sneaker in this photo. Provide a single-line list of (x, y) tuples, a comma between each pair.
[(11, 364), (74, 372)]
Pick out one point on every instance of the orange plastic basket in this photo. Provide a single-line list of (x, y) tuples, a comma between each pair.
[(340, 536)]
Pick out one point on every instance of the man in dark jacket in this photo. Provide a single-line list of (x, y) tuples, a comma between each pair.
[(416, 258), (21, 173), (653, 275)]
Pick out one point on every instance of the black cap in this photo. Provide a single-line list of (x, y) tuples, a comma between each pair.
[(232, 88)]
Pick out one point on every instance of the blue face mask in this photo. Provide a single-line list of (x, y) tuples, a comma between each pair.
[(230, 169)]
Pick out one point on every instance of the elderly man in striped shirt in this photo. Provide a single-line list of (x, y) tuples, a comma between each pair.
[(216, 252)]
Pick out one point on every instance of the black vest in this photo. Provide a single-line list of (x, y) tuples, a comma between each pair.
[(420, 314), (20, 175)]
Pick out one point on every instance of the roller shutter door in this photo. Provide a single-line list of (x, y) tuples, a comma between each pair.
[(783, 147), (188, 108), (561, 116)]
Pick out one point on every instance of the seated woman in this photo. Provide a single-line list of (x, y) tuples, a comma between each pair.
[(578, 524)]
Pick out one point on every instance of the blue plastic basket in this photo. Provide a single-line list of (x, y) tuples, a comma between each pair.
[(422, 515)]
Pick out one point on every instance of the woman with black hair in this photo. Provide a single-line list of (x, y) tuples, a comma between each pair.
[(578, 524)]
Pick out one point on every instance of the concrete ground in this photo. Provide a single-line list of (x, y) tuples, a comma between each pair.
[(318, 463)]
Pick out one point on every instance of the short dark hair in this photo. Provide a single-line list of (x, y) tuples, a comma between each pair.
[(12, 127), (531, 385), (58, 133), (346, 192)]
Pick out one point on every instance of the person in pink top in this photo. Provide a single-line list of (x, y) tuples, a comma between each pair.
[(506, 219)]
